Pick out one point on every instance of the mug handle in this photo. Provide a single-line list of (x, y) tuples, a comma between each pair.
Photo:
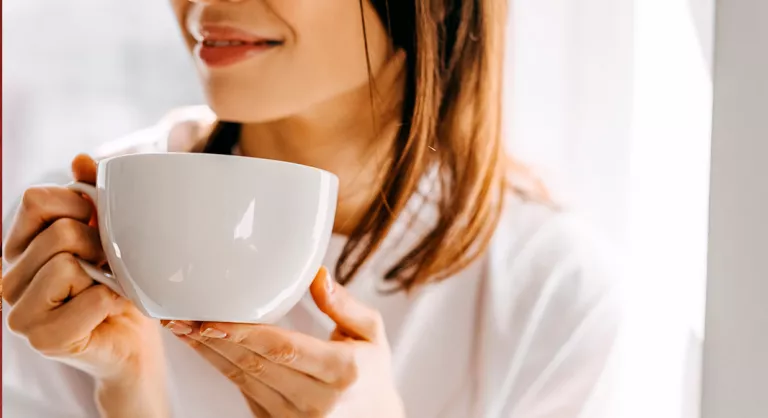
[(96, 273)]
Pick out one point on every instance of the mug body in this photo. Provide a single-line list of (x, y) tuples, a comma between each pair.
[(212, 237)]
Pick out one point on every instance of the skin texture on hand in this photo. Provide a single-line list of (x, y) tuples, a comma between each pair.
[(64, 315), (289, 374)]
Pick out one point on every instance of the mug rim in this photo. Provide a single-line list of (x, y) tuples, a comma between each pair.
[(303, 167)]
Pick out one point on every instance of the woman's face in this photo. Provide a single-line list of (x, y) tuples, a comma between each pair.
[(263, 60)]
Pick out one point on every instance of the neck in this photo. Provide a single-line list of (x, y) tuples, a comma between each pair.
[(348, 135)]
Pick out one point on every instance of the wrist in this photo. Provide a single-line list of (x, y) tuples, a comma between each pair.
[(135, 395), (130, 401)]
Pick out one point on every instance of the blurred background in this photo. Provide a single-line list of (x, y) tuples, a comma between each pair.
[(78, 73), (610, 100)]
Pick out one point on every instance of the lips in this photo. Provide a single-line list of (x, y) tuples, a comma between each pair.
[(223, 43), (221, 46)]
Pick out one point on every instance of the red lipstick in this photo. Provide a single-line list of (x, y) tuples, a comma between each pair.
[(221, 46)]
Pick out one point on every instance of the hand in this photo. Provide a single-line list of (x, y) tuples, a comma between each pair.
[(289, 374), (61, 311)]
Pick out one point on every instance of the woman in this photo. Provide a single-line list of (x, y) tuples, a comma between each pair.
[(457, 289)]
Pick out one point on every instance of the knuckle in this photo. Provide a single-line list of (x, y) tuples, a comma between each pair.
[(63, 276), (237, 376), (303, 403), (238, 337), (16, 321), (65, 264), (9, 255), (255, 366), (349, 374), (283, 354), (69, 232), (78, 347), (42, 342), (10, 285), (102, 296), (326, 407), (34, 198)]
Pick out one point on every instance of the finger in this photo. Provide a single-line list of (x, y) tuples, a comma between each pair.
[(84, 169), (352, 316), (64, 235), (58, 281), (309, 395), (322, 360), (39, 207), (258, 391), (68, 329), (258, 410), (181, 327), (80, 316)]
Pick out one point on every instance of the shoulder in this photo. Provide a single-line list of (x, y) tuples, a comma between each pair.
[(179, 131), (550, 259)]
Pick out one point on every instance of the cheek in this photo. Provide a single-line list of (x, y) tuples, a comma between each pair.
[(330, 47), (328, 40), (180, 10)]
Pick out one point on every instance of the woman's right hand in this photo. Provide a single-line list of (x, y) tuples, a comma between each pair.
[(64, 314)]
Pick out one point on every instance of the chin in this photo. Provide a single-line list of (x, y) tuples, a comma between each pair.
[(245, 111), (239, 114), (248, 102)]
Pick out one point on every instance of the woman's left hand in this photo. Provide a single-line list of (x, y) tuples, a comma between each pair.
[(289, 374)]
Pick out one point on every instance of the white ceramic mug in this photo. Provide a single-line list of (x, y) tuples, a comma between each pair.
[(211, 237)]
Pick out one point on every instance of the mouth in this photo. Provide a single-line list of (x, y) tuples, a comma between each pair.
[(209, 43), (222, 46)]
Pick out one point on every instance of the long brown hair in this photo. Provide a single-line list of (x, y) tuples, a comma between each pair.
[(451, 121)]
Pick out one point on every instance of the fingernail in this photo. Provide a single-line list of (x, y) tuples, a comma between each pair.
[(179, 329), (213, 333)]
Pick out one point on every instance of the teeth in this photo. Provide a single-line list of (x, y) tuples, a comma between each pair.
[(223, 43), (238, 43)]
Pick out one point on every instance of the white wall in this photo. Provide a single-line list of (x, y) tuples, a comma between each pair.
[(569, 101), (736, 344), (669, 190), (77, 73)]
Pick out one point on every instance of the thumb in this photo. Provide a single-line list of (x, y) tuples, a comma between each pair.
[(84, 169), (351, 316)]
